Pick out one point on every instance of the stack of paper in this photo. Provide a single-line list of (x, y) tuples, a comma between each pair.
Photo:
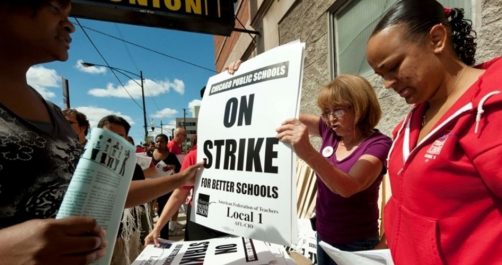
[(226, 250)]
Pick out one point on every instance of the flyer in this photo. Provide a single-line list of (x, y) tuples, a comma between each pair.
[(248, 186), (366, 257), (100, 184)]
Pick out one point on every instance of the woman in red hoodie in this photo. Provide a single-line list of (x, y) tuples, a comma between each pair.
[(446, 206)]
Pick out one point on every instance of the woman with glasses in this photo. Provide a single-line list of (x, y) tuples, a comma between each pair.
[(349, 166)]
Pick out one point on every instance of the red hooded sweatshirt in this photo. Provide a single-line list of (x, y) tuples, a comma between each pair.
[(446, 205)]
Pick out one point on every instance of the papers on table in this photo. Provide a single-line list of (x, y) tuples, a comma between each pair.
[(226, 250), (368, 257)]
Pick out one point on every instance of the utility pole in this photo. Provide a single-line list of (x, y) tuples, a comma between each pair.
[(128, 74), (66, 93), (144, 105), (184, 119)]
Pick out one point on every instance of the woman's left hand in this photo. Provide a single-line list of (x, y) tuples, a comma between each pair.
[(295, 133)]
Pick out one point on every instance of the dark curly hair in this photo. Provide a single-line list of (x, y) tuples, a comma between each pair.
[(421, 16), (80, 117)]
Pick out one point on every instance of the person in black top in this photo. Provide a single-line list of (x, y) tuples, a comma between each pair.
[(39, 148), (168, 162)]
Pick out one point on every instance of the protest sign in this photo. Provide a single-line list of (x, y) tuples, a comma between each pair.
[(227, 250), (247, 187)]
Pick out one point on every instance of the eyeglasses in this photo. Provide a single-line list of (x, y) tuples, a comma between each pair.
[(337, 113)]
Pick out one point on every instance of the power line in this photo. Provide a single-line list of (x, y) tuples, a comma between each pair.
[(106, 62), (151, 50), (155, 103), (129, 54)]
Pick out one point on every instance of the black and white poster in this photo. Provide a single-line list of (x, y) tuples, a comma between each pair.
[(247, 187)]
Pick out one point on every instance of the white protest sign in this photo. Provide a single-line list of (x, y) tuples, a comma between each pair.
[(248, 188), (226, 250)]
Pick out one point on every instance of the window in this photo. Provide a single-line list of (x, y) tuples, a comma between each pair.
[(351, 23)]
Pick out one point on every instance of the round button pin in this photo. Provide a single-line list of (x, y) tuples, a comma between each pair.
[(327, 151)]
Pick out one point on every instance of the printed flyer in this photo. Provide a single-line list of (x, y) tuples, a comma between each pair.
[(247, 187), (100, 184), (366, 257)]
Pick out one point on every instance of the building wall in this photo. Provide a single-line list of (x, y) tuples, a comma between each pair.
[(313, 18), (228, 49), (255, 15), (307, 20), (489, 30)]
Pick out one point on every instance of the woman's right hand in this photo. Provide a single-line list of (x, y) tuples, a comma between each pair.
[(153, 237), (71, 240), (295, 133)]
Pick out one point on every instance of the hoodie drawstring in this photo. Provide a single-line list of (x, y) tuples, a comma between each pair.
[(480, 110)]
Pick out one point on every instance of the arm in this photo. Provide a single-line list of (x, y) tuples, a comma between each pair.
[(72, 240), (142, 191), (150, 172), (312, 123), (361, 175), (173, 204)]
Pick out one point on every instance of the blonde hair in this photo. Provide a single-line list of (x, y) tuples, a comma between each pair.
[(357, 93)]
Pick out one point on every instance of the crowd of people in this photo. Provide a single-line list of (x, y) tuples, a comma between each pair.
[(442, 159)]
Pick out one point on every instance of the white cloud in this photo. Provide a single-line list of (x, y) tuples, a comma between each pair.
[(166, 128), (169, 127), (152, 88), (90, 69), (164, 113), (179, 86), (41, 79), (192, 104), (94, 114), (172, 124)]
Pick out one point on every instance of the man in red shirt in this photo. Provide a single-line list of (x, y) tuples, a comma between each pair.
[(175, 145)]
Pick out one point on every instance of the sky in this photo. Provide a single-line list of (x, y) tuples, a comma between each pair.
[(165, 56)]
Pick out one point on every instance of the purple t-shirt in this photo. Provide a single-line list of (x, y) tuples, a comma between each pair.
[(343, 220)]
